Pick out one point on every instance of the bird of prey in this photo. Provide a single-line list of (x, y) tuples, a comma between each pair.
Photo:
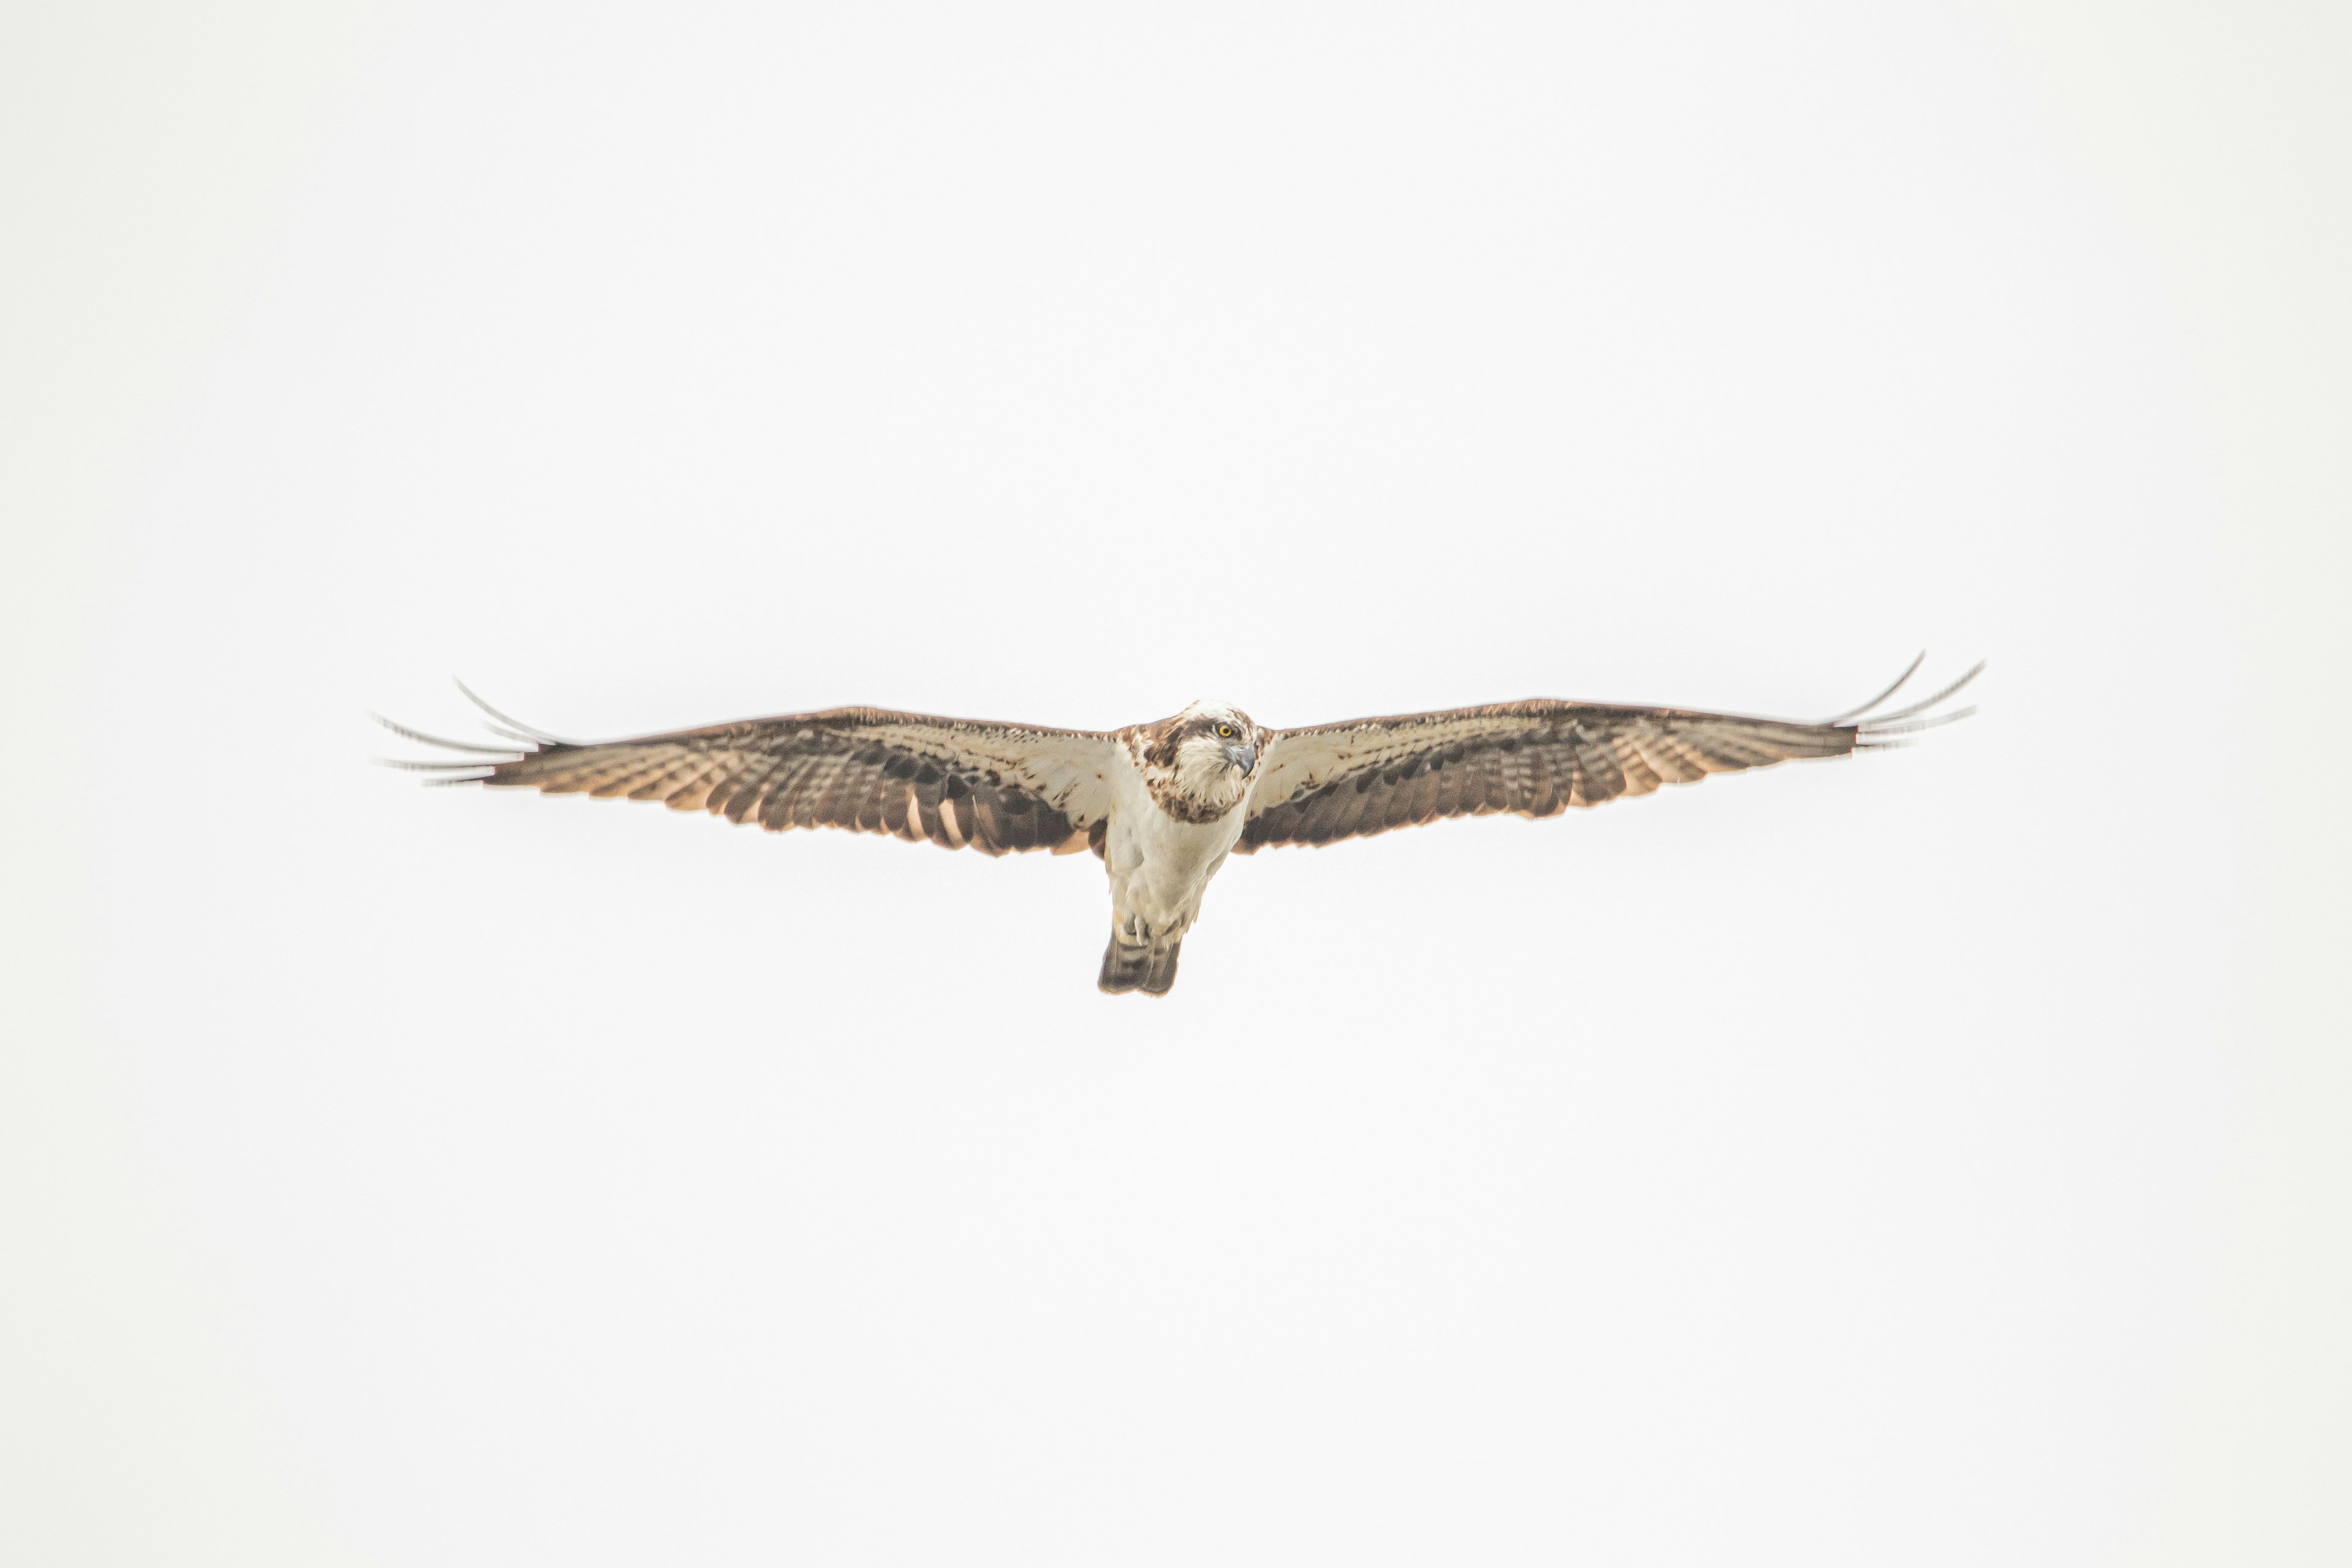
[(1163, 803)]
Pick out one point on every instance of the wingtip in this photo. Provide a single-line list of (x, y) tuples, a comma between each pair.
[(424, 739), (1878, 736), (515, 727), (1923, 704), (1900, 682), (447, 771)]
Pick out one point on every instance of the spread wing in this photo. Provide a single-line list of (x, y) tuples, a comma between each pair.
[(956, 781), (1537, 758)]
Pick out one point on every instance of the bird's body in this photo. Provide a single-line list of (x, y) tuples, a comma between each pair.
[(1164, 803), (1173, 820)]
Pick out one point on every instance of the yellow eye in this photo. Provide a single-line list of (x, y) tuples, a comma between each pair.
[(1226, 731)]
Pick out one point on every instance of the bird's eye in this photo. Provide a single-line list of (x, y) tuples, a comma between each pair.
[(1226, 731)]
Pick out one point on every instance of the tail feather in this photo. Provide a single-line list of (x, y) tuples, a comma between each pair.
[(1148, 968)]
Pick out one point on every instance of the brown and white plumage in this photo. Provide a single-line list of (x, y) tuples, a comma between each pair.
[(1163, 803), (958, 782)]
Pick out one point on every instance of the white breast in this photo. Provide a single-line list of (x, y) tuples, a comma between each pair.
[(1160, 866)]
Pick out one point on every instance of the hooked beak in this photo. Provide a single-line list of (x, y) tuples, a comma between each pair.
[(1244, 757)]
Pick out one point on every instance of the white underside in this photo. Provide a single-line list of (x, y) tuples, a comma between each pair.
[(1159, 867)]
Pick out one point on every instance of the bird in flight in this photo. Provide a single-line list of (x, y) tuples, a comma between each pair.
[(1163, 803)]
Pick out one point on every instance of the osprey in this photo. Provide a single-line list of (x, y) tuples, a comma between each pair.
[(1163, 803)]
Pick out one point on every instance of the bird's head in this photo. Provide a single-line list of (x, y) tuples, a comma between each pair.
[(1204, 755)]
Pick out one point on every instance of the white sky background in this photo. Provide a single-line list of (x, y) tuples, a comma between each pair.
[(1928, 1159)]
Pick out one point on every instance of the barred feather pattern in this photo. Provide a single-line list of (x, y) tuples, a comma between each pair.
[(996, 788), (1533, 759), (1004, 787)]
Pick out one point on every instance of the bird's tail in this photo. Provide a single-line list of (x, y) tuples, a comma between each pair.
[(1148, 967)]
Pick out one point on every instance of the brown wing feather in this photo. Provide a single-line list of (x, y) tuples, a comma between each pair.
[(955, 782), (1364, 777)]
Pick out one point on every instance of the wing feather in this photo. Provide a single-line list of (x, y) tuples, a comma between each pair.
[(692, 792), (1357, 779), (955, 782)]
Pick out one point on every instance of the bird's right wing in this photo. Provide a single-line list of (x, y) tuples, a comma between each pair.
[(956, 781), (1356, 779)]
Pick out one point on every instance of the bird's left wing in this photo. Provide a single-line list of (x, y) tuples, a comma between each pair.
[(956, 781), (1355, 779)]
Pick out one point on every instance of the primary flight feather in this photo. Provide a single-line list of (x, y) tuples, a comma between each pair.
[(1163, 803)]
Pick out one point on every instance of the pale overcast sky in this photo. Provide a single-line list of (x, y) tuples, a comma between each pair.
[(1936, 1157)]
